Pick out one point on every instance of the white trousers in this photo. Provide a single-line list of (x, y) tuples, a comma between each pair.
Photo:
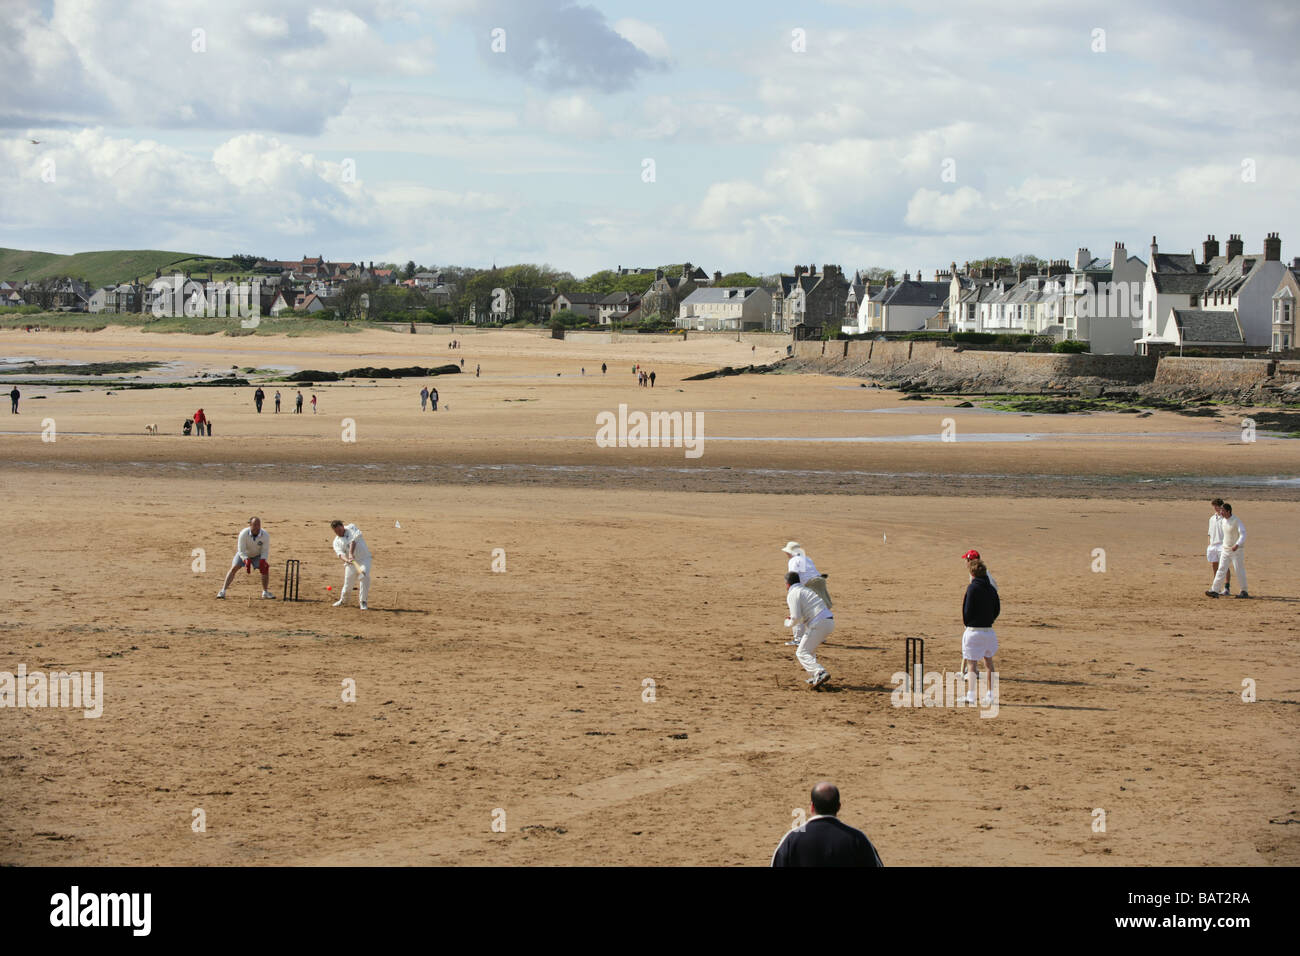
[(1237, 560), (811, 637), (350, 577)]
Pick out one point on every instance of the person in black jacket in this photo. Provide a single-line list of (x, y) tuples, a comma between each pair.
[(823, 840), (978, 612)]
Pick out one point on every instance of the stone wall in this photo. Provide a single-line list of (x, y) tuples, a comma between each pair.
[(931, 365), (1214, 373)]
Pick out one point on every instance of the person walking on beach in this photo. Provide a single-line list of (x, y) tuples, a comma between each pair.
[(1232, 556), (652, 379), (277, 401), (258, 398), (1212, 551), (297, 407), (200, 421), (433, 399), (313, 403), (424, 397), (602, 368), (14, 395), (477, 370)]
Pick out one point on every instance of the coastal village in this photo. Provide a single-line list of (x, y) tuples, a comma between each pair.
[(1219, 300)]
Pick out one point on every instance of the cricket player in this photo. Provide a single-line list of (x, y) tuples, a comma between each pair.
[(809, 576), (979, 610), (252, 549), (351, 548), (1216, 543), (1232, 554), (812, 622)]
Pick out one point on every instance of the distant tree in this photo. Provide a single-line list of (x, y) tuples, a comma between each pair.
[(877, 274), (348, 304), (245, 262), (739, 279), (45, 292), (410, 269)]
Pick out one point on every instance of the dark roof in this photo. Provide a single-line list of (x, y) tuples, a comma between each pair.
[(1164, 262), (1181, 283), (1202, 326), (917, 293), (582, 298)]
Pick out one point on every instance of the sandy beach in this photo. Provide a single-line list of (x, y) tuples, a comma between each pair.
[(521, 695)]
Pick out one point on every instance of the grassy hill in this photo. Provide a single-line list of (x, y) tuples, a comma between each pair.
[(101, 268)]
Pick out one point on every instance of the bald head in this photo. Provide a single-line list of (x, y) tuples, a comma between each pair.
[(826, 799)]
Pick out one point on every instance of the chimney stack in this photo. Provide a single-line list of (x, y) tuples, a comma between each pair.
[(1234, 246), (1081, 259), (1209, 249), (1154, 249), (717, 277), (799, 270), (1273, 248)]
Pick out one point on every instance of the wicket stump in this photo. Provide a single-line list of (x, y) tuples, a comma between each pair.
[(914, 662), (291, 571)]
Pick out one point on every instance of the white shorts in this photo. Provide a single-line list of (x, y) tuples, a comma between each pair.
[(978, 643), (239, 562), (1212, 553)]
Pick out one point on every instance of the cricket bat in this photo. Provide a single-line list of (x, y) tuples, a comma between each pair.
[(361, 568)]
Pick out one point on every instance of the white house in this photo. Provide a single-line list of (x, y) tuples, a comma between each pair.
[(1285, 302), (907, 306), (726, 308), (1233, 282)]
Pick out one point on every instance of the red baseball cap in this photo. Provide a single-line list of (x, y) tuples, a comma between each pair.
[(972, 553)]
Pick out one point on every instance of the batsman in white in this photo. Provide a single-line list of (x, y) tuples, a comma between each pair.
[(253, 548), (351, 548)]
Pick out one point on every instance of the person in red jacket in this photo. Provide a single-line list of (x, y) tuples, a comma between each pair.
[(200, 422)]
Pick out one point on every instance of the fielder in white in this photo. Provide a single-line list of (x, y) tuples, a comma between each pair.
[(1215, 546), (812, 622), (351, 548), (1232, 554), (809, 576), (253, 548)]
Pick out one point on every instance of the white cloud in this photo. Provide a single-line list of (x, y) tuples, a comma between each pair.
[(644, 37)]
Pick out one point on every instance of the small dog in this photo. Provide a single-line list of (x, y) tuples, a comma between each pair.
[(151, 429)]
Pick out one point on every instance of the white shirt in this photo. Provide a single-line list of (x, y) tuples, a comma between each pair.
[(343, 542), (803, 566), (251, 547), (1234, 532), (806, 606), (1216, 531)]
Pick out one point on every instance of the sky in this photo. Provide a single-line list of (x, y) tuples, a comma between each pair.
[(739, 136)]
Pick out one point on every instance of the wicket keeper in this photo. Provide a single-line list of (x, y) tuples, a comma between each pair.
[(253, 549)]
